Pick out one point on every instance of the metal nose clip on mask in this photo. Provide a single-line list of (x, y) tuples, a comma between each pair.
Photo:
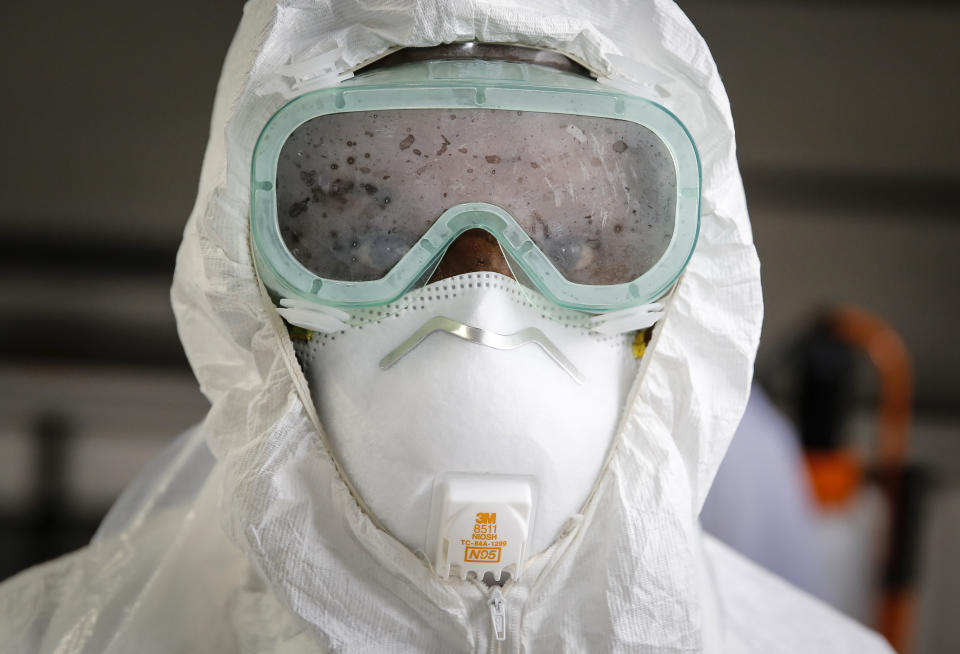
[(358, 190)]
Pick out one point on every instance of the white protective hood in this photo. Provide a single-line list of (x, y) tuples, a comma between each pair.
[(263, 547)]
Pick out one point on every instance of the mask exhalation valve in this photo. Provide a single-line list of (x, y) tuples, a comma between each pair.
[(480, 523)]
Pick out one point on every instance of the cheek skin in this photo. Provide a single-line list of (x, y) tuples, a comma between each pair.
[(473, 251)]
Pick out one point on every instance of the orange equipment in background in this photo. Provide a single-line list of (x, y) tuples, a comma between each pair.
[(828, 360)]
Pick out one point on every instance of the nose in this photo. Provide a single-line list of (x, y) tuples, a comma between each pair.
[(473, 251)]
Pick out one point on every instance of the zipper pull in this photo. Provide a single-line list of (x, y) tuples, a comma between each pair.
[(498, 613)]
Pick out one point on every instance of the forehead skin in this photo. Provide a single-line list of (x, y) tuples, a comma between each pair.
[(355, 191)]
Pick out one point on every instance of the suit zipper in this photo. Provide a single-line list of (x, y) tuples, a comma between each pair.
[(498, 618)]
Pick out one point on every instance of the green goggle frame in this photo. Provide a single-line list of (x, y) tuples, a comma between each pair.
[(471, 84)]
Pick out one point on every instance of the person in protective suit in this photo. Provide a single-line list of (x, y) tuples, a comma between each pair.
[(501, 449)]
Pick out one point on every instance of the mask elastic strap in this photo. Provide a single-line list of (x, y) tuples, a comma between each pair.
[(627, 320), (312, 316), (329, 320)]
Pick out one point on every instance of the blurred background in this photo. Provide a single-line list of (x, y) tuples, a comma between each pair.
[(846, 120)]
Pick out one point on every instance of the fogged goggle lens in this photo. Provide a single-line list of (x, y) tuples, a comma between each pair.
[(356, 191)]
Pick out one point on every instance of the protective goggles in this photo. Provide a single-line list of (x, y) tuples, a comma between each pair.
[(357, 191)]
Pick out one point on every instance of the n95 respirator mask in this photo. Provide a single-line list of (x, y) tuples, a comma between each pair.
[(472, 374)]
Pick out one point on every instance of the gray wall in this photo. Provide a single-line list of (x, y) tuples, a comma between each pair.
[(846, 117)]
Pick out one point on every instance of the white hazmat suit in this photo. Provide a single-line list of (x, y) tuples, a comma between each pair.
[(244, 536)]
